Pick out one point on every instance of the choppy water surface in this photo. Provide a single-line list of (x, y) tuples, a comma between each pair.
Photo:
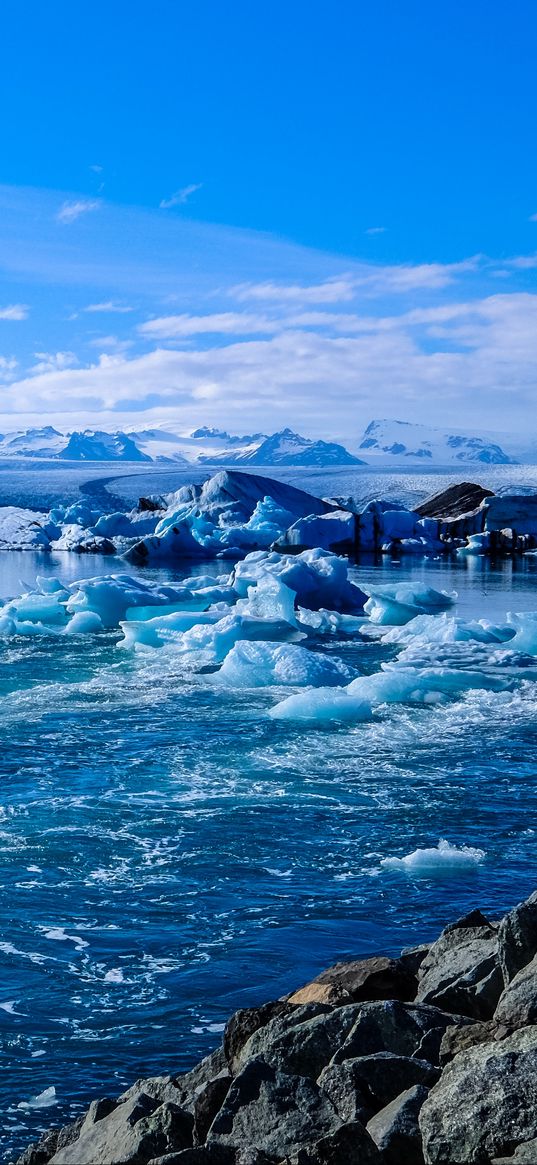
[(168, 853)]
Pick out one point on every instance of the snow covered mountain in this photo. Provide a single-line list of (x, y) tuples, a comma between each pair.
[(404, 442), (285, 448), (100, 446), (204, 446), (45, 442)]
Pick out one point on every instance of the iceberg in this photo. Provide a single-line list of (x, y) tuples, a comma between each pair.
[(426, 630), (440, 859), (22, 529), (162, 629), (215, 641), (395, 605), (524, 626), (323, 705), (111, 596), (393, 685), (84, 623), (255, 665), (318, 578)]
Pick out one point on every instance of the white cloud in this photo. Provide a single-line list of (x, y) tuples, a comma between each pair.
[(219, 323), (108, 306), (14, 311), (533, 218), (371, 280), (70, 211), (490, 357), (8, 364), (522, 262), (109, 344), (180, 196), (375, 231), (53, 362), (335, 290)]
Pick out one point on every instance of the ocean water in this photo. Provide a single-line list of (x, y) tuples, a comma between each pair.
[(169, 853)]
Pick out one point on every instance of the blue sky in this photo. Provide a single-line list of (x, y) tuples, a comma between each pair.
[(251, 216)]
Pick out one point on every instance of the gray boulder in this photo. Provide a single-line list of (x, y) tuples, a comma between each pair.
[(365, 979), (406, 1029), (378, 1079), (273, 1111), (395, 1129), (517, 937), (517, 1006), (462, 972), (207, 1155), (208, 1102), (136, 1130), (349, 1145), (299, 1042), (248, 1020), (484, 1104), (458, 1039), (523, 1155), (43, 1150)]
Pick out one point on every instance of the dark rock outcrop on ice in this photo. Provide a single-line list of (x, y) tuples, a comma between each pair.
[(429, 1059)]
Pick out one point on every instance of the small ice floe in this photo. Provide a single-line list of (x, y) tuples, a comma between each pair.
[(45, 1099), (440, 859)]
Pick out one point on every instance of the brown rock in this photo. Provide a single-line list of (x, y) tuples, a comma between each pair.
[(362, 981)]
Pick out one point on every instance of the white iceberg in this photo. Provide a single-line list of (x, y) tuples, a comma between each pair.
[(395, 605), (439, 859), (317, 577), (256, 665)]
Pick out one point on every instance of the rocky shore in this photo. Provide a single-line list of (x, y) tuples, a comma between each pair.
[(430, 1057)]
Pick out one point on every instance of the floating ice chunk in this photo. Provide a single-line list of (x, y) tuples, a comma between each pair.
[(254, 665), (84, 623), (111, 596), (25, 529), (322, 705), (82, 540), (397, 605), (335, 531), (162, 629), (325, 622), (394, 685), (51, 586), (425, 630), (35, 608), (440, 859), (525, 628), (270, 598), (217, 640), (476, 544), (318, 578), (45, 1099), (8, 625)]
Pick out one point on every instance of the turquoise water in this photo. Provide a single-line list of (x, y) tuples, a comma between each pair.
[(168, 853)]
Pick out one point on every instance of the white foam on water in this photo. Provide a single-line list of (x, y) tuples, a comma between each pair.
[(58, 934), (114, 975), (9, 1007)]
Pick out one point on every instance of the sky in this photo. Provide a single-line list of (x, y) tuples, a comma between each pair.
[(254, 216)]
